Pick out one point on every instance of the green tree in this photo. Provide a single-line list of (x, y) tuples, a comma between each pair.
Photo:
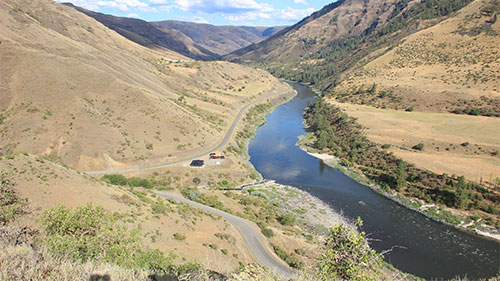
[(400, 175)]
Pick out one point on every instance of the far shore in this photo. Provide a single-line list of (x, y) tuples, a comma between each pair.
[(334, 162)]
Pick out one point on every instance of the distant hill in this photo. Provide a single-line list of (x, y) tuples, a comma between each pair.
[(321, 47), (148, 35), (219, 39)]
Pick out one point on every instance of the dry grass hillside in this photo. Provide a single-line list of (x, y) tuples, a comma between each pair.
[(45, 184), (339, 19), (149, 35), (452, 66), (76, 91)]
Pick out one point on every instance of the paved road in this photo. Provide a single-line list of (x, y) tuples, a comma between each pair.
[(249, 231), (219, 146)]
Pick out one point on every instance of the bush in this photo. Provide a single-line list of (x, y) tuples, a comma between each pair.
[(10, 204), (179, 236), (89, 233), (419, 146), (347, 256), (287, 219), (115, 179), (268, 232), (291, 259), (139, 182)]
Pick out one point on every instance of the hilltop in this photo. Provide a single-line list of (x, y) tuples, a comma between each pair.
[(149, 35), (220, 39)]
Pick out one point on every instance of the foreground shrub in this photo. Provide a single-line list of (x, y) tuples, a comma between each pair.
[(88, 233), (348, 256), (10, 204)]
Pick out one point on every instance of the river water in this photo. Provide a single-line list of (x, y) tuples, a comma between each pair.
[(423, 247)]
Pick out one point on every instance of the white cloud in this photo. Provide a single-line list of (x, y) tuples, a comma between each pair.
[(219, 6), (303, 2), (295, 14), (288, 15), (199, 20), (132, 15), (123, 5)]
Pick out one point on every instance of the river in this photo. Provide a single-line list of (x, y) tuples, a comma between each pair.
[(423, 247)]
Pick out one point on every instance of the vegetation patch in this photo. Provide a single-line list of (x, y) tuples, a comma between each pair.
[(338, 134), (91, 233)]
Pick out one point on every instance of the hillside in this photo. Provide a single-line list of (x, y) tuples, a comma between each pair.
[(219, 39), (321, 47), (45, 184), (78, 92), (148, 35), (452, 67)]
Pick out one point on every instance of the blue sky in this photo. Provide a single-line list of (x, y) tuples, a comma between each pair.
[(217, 12)]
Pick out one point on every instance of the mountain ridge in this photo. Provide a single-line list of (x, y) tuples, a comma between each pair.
[(220, 39)]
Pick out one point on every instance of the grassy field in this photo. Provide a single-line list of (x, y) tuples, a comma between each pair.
[(453, 144)]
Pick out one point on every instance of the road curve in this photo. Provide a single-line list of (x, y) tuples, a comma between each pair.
[(249, 231), (222, 143)]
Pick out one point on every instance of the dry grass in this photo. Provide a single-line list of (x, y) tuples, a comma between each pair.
[(440, 68), (442, 135), (46, 184), (79, 92), (23, 262)]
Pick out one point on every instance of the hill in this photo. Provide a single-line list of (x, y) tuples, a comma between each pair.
[(81, 93), (450, 68), (220, 39), (149, 35), (321, 47)]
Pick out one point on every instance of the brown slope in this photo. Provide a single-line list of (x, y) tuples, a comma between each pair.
[(220, 39), (148, 35), (341, 18), (76, 90), (451, 66)]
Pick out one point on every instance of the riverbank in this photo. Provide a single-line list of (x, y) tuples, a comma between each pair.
[(252, 122), (409, 203)]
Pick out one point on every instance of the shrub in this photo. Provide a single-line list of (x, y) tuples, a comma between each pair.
[(196, 180), (268, 232), (139, 182), (386, 146), (89, 233), (179, 236), (347, 256), (287, 219), (10, 204), (115, 179), (419, 146), (159, 207), (291, 259)]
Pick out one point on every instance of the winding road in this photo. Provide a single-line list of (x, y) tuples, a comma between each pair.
[(250, 232), (220, 145)]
